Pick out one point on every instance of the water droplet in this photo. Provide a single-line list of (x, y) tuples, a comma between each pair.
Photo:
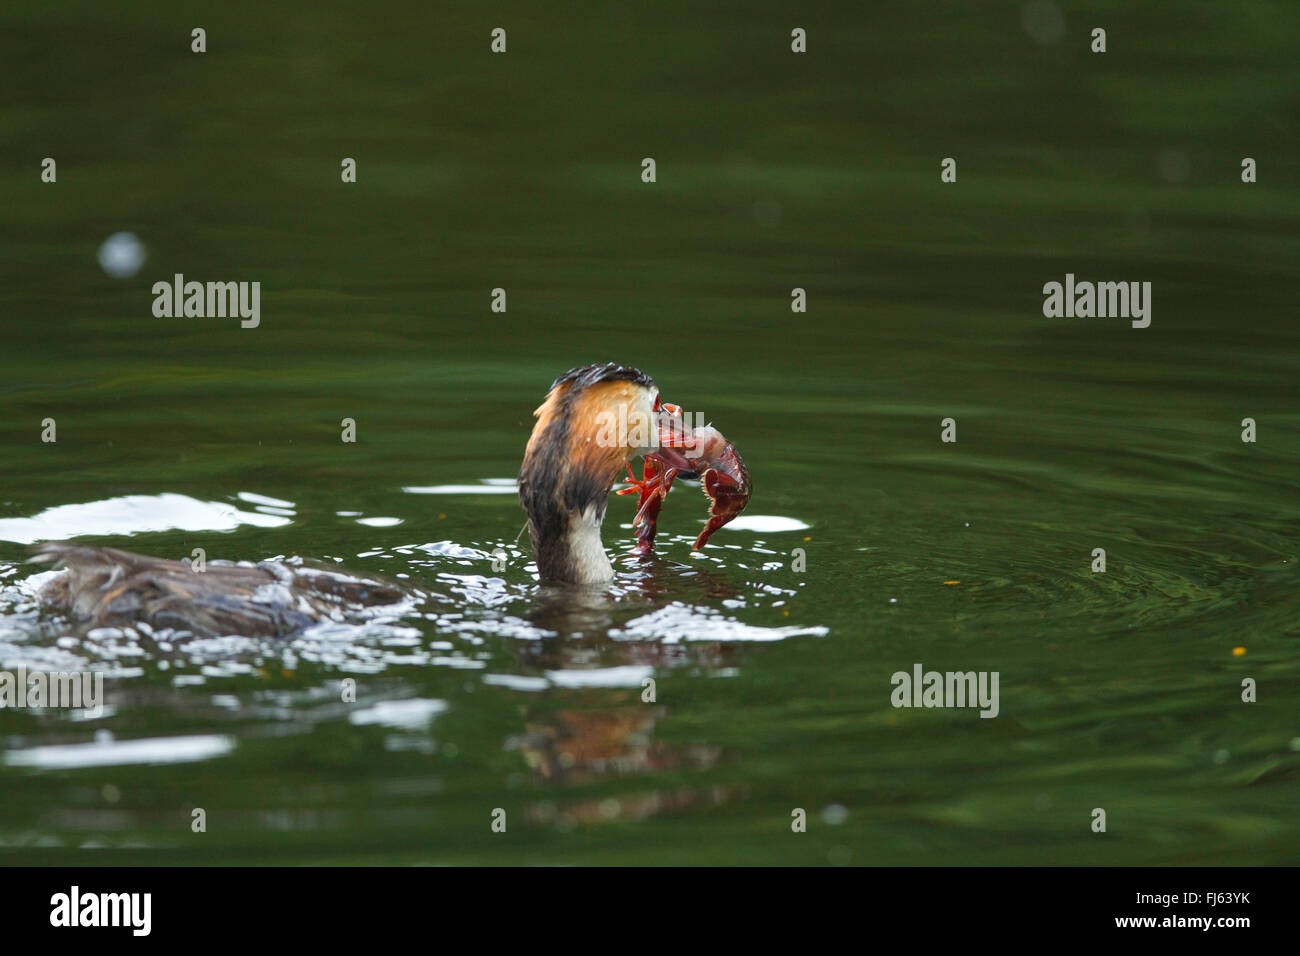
[(122, 254)]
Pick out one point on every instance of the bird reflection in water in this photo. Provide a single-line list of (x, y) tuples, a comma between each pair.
[(576, 735)]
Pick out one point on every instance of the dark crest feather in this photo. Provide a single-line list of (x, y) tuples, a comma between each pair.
[(585, 375)]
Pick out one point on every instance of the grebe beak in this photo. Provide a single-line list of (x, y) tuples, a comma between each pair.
[(677, 445)]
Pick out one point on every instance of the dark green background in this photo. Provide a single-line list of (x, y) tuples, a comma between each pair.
[(775, 170)]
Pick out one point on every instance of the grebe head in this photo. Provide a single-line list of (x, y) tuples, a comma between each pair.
[(594, 421)]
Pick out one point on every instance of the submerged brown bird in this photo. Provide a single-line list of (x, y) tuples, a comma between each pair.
[(105, 587), (594, 421)]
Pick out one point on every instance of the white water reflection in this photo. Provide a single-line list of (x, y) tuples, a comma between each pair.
[(410, 714), (765, 524), (684, 622), (113, 753), (133, 514), (490, 486), (255, 499), (626, 675)]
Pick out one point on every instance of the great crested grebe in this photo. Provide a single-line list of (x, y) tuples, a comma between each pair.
[(594, 421)]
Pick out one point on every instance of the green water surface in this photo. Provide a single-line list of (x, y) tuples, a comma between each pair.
[(1118, 690)]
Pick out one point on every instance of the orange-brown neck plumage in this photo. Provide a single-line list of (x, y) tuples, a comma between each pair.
[(593, 421)]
